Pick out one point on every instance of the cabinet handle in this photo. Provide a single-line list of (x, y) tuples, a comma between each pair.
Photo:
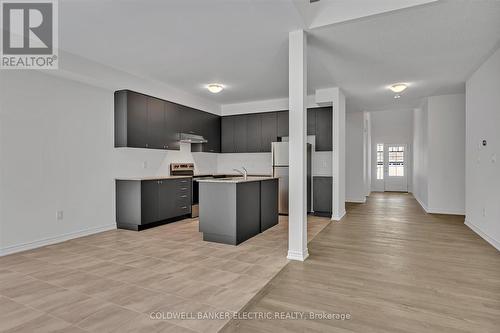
[(183, 196), (147, 145), (184, 188), (184, 207)]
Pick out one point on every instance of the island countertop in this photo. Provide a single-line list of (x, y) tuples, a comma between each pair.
[(152, 178), (234, 180)]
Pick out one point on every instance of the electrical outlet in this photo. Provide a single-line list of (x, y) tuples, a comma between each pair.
[(145, 164), (60, 215), (484, 212)]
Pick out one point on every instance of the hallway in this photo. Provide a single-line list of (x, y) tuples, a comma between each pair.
[(392, 268)]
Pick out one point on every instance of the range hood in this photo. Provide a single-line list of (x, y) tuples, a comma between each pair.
[(192, 138)]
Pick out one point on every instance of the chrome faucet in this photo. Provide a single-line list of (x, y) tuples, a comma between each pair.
[(244, 173)]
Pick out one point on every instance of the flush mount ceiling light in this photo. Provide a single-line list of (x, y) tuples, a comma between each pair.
[(215, 88), (398, 87)]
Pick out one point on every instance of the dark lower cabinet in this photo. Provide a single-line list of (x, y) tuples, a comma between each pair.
[(322, 195), (141, 204), (149, 201), (269, 193), (231, 213)]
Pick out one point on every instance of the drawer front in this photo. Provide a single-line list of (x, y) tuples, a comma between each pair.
[(183, 187), (183, 209)]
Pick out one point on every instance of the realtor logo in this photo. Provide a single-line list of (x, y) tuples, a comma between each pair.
[(29, 34)]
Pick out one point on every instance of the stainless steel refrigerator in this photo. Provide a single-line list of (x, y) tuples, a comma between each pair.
[(280, 169)]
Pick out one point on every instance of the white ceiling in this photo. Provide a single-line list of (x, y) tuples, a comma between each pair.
[(433, 48), (244, 44)]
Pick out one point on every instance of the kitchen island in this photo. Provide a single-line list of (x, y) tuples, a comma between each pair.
[(233, 210)]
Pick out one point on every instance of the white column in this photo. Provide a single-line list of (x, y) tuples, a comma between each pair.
[(338, 135), (297, 198)]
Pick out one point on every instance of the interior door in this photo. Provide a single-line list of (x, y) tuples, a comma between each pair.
[(395, 168)]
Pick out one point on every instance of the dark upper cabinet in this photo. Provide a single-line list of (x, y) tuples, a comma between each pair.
[(240, 134), (149, 201), (269, 130), (322, 196), (311, 121), (143, 121), (227, 134), (156, 123), (210, 129), (254, 133), (324, 129), (131, 119), (171, 126), (190, 120), (282, 127), (213, 135)]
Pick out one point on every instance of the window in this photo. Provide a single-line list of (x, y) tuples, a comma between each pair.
[(397, 161), (380, 161)]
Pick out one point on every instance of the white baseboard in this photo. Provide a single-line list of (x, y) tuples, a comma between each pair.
[(483, 235), (53, 240), (445, 211), (339, 217), (357, 200), (420, 203), (438, 210), (298, 255)]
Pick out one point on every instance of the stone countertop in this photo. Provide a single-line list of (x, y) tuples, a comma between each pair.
[(235, 180), (152, 178), (231, 175)]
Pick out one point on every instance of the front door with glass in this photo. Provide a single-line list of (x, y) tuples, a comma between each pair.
[(395, 173)]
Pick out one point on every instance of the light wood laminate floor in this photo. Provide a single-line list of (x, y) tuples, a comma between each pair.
[(113, 281), (393, 268)]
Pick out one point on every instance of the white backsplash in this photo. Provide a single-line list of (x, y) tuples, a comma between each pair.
[(150, 162), (255, 163), (260, 163)]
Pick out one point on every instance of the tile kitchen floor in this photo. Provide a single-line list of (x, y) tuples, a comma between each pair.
[(114, 280)]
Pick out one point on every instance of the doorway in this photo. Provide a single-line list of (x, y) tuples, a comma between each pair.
[(392, 160)]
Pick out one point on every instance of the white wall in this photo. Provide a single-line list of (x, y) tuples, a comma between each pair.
[(57, 153), (446, 116), (268, 105), (420, 155), (439, 154), (393, 126), (355, 159), (482, 163)]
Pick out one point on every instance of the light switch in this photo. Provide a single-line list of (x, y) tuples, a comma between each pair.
[(493, 158)]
